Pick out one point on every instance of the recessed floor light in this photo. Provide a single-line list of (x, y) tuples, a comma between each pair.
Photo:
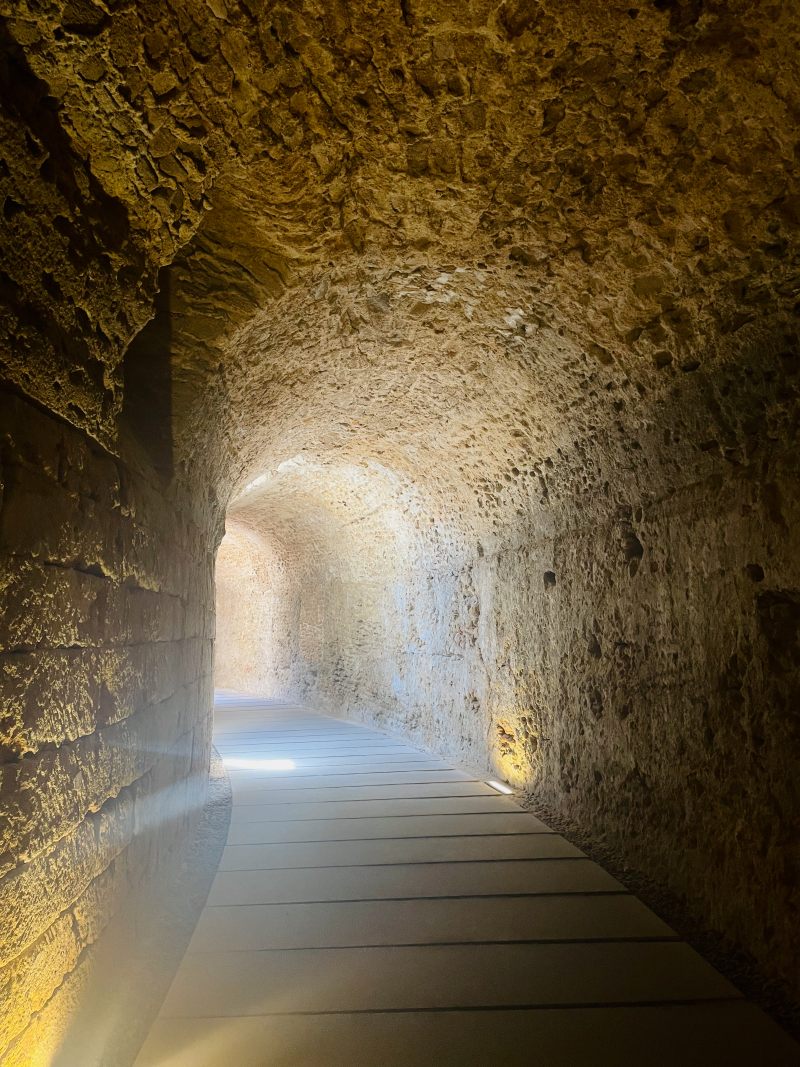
[(501, 787)]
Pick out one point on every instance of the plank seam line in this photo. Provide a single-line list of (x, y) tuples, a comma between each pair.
[(632, 940), (344, 774), (420, 837), (444, 896), (355, 800), (389, 785), (536, 1006), (360, 818), (403, 863)]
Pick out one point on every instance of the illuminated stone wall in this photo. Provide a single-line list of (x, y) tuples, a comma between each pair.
[(582, 580), (482, 319), (253, 650), (637, 673), (106, 594), (104, 736)]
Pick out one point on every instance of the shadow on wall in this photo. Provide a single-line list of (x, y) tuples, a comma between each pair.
[(147, 393)]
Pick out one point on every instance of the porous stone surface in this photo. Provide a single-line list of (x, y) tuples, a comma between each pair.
[(480, 320), (594, 617), (104, 734)]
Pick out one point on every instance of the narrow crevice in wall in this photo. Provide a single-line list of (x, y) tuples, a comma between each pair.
[(147, 383)]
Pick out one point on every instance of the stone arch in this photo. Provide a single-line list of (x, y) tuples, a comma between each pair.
[(519, 276)]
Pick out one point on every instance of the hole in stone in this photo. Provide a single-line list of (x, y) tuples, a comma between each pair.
[(11, 207)]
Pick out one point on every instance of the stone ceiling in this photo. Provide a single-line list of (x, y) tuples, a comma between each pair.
[(515, 248)]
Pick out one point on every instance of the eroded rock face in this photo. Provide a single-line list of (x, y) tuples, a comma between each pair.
[(106, 660), (560, 583), (480, 318)]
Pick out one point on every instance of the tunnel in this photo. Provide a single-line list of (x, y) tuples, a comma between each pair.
[(418, 374)]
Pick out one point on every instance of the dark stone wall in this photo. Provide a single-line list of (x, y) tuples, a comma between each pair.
[(105, 648)]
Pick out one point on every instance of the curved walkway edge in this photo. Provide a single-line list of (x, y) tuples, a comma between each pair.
[(376, 906)]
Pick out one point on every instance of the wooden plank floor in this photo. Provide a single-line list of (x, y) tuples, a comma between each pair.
[(376, 906)]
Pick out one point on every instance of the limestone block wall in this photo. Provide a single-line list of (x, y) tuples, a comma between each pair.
[(650, 695), (105, 655), (496, 306), (636, 668), (106, 570)]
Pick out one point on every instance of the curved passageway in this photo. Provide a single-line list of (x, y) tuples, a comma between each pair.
[(433, 364), (377, 905)]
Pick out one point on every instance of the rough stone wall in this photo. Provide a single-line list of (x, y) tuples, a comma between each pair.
[(106, 586), (639, 674), (254, 651), (475, 311), (588, 584), (648, 694), (104, 735)]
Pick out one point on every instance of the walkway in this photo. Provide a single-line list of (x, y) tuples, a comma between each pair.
[(377, 907)]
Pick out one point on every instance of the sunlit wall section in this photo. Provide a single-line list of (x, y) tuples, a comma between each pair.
[(253, 614), (313, 581)]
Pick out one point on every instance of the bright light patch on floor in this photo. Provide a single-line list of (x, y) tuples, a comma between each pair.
[(501, 787), (240, 764)]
